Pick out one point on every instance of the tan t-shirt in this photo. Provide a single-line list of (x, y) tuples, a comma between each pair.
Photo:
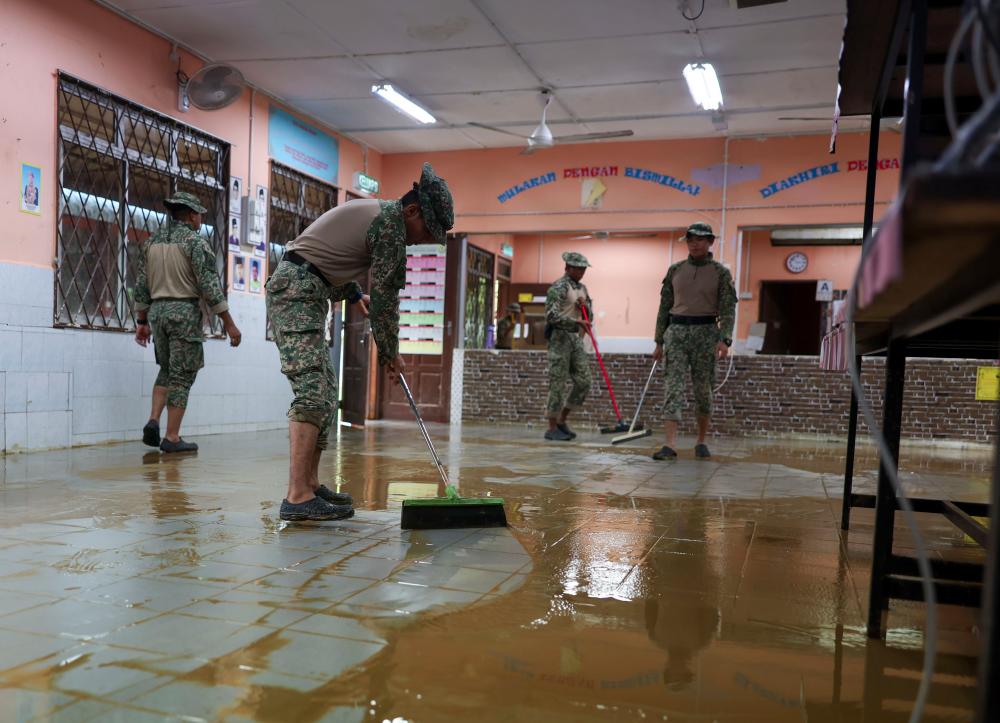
[(336, 243), (696, 290)]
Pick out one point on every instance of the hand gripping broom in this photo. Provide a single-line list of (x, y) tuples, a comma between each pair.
[(434, 513)]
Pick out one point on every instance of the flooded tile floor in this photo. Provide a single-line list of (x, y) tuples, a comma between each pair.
[(135, 588)]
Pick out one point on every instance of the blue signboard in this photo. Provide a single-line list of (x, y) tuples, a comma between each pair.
[(301, 146)]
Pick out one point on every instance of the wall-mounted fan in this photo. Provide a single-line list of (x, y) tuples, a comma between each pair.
[(542, 137), (212, 87)]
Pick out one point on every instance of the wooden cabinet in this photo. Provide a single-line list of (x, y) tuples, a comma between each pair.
[(531, 321)]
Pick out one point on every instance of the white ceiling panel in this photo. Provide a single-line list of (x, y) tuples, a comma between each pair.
[(390, 26), (249, 29), (754, 48), (525, 21), (612, 64), (781, 88), (449, 71), (612, 60), (492, 108), (370, 113), (434, 139), (322, 78), (663, 98), (528, 21)]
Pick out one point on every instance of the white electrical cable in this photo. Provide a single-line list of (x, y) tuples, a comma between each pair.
[(726, 378), (890, 467), (951, 116), (979, 64)]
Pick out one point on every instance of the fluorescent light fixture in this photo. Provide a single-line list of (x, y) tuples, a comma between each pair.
[(704, 85), (816, 236), (399, 101)]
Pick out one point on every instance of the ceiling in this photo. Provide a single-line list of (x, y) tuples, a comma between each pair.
[(610, 65)]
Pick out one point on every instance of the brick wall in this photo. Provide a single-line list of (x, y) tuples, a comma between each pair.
[(764, 395)]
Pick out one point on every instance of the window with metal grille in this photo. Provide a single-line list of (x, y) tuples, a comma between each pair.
[(117, 162), (296, 201)]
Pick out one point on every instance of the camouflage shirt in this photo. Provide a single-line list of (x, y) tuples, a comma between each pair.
[(176, 262), (387, 241), (684, 293), (560, 304)]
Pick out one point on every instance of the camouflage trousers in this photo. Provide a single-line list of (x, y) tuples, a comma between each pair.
[(689, 349), (568, 362), (297, 304), (179, 343)]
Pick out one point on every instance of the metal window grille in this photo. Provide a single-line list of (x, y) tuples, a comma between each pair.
[(478, 299), (117, 162), (296, 201)]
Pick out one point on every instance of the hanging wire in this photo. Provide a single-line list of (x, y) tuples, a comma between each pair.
[(984, 20), (890, 466), (687, 17)]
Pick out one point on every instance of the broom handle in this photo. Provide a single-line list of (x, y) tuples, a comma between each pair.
[(607, 380), (642, 398), (423, 430)]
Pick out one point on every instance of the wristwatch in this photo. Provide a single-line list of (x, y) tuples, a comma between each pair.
[(727, 342), (142, 322)]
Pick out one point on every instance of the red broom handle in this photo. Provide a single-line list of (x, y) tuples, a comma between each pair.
[(607, 380)]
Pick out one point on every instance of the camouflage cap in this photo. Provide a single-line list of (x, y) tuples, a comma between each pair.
[(513, 307), (700, 229), (572, 258), (436, 205), (188, 200)]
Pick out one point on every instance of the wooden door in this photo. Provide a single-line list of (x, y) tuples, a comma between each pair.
[(792, 315), (429, 375)]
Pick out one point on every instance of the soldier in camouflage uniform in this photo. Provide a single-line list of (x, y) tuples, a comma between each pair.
[(506, 325), (320, 266), (567, 359), (177, 269), (694, 327)]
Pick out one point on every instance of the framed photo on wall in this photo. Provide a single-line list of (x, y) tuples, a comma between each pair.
[(235, 192), (234, 233), (31, 189), (256, 275), (260, 223), (239, 274)]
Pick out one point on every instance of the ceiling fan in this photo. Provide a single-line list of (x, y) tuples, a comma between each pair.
[(542, 137), (605, 235)]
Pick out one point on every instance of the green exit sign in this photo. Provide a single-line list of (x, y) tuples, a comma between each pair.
[(365, 183)]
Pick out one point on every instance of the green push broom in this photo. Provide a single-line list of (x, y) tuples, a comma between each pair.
[(437, 513)]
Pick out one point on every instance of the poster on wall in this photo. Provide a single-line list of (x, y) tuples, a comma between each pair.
[(31, 189), (235, 191), (421, 302), (260, 223), (302, 146), (256, 273), (234, 233), (239, 273)]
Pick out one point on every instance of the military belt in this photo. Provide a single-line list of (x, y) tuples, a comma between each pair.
[(302, 263), (193, 299), (691, 320)]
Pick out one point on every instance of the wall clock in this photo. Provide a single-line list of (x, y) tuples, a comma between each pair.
[(796, 262)]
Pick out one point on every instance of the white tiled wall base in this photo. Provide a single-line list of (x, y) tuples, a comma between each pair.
[(62, 387)]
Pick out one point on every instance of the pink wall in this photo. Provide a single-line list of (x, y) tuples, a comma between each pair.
[(624, 278), (76, 36), (478, 177), (767, 263)]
